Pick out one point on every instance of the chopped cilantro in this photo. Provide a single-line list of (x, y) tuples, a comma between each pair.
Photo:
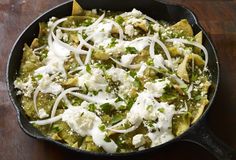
[(118, 99), (113, 43), (116, 118), (88, 69), (92, 107), (162, 110), (138, 83), (107, 139), (130, 103), (107, 108), (131, 50), (55, 128), (87, 22), (150, 62), (102, 127), (119, 20), (39, 76), (132, 73), (149, 108)]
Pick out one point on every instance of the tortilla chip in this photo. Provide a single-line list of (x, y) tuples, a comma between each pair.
[(198, 38), (76, 8), (183, 26)]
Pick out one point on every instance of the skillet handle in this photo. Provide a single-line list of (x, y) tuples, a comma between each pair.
[(204, 137)]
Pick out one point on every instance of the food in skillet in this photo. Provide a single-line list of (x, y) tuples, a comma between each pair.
[(106, 81)]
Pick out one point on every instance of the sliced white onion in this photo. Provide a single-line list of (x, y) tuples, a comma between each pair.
[(178, 80), (120, 30), (36, 92), (93, 35), (152, 54), (124, 130), (151, 19), (68, 104), (77, 69), (67, 46), (83, 28), (92, 99), (62, 95), (147, 38), (162, 45), (39, 48), (47, 121), (97, 21), (84, 42), (196, 44), (88, 57), (134, 66), (189, 91)]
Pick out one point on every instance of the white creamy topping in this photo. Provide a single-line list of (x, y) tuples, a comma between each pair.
[(87, 123), (54, 61), (94, 80), (146, 107), (47, 86), (100, 34), (127, 59), (163, 126), (156, 88), (139, 45)]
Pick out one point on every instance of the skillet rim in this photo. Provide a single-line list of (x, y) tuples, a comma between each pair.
[(178, 138)]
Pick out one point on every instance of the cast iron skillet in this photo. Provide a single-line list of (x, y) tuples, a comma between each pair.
[(198, 133)]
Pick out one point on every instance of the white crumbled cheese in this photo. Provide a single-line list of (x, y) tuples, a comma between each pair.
[(156, 27), (47, 86), (94, 11), (87, 123), (135, 21), (25, 88), (80, 120), (138, 140), (143, 67), (94, 80), (65, 37), (134, 13), (156, 88), (51, 21), (59, 33), (42, 113), (129, 30), (190, 89), (187, 50), (127, 59)]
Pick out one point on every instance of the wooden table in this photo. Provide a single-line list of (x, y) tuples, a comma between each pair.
[(218, 17)]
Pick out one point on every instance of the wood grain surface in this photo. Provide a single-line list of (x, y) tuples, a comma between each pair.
[(218, 17)]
